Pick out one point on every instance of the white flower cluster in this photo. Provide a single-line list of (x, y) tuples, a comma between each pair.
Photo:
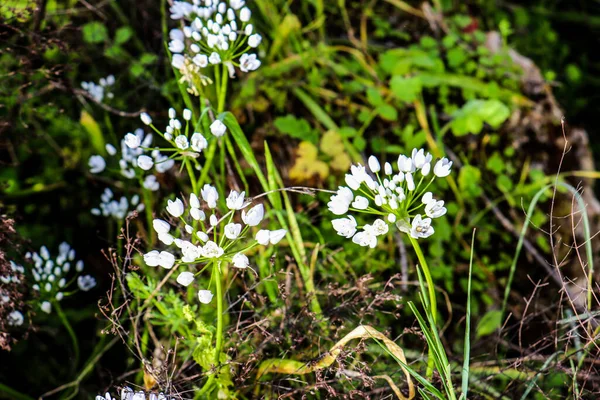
[(15, 317), (111, 208), (128, 394), (399, 198), (101, 89), (214, 32), (50, 274), (205, 238), (134, 159)]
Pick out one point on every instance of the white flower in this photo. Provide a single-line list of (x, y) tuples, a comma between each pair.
[(248, 30), (254, 216), (218, 128), (178, 61), (345, 226), (175, 208), (442, 168), (86, 282), (254, 40), (360, 203), (166, 238), (405, 164), (235, 200), (352, 182), (176, 46), (145, 118), (240, 261), (152, 258), (145, 162), (187, 114), (151, 183), (232, 230), (199, 142), (410, 183), (265, 237), (15, 318), (197, 214), (236, 4), (249, 62), (161, 226), (200, 60), (374, 164), (419, 158), (378, 228), (435, 209), (181, 142), (96, 164), (210, 195), (205, 296), (46, 307), (185, 278), (365, 238), (245, 14), (212, 250), (388, 168), (421, 228), (166, 260), (340, 202), (214, 58), (110, 149)]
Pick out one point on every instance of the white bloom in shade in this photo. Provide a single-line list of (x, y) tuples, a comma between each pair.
[(178, 61), (214, 58), (249, 62), (145, 162), (218, 128), (161, 226), (200, 60), (145, 118), (199, 142), (175, 208), (46, 307), (345, 226), (340, 202), (254, 40), (210, 195), (232, 230), (182, 142), (110, 149), (86, 282), (254, 216), (374, 164), (248, 29), (360, 203), (15, 318), (96, 164), (442, 168), (185, 278), (212, 250), (166, 260), (421, 227), (235, 200), (151, 183), (152, 258), (236, 4), (205, 296), (435, 209), (79, 266), (176, 46), (245, 14), (265, 237), (365, 238), (240, 261)]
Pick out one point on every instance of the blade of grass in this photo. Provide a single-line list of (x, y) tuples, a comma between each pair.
[(467, 350)]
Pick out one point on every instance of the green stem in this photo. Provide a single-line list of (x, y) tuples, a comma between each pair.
[(223, 92), (10, 393), (147, 195), (432, 300), (65, 321), (190, 170)]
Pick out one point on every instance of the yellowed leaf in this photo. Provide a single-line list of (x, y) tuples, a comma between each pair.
[(307, 165)]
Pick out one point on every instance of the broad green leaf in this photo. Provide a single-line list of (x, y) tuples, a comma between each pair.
[(95, 32), (123, 35), (405, 89), (489, 323), (94, 132), (297, 128)]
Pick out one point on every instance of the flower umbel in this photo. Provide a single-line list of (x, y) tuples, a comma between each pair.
[(399, 198)]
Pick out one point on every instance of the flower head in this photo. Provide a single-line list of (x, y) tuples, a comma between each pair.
[(399, 198)]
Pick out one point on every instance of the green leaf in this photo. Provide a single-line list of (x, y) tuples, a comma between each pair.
[(470, 118), (495, 163), (488, 324), (94, 132), (469, 180), (405, 89), (148, 58), (456, 57), (387, 112), (95, 32), (374, 97), (123, 34), (297, 128), (504, 183)]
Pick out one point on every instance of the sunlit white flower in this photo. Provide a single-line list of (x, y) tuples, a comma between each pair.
[(185, 278), (218, 128), (442, 168), (214, 58), (232, 230), (345, 226), (145, 118), (166, 260), (97, 164), (145, 162), (245, 14), (205, 296), (341, 201), (210, 195), (421, 227), (254, 216), (212, 250), (198, 141), (254, 40), (175, 208), (182, 142), (240, 260), (265, 237), (374, 164), (235, 200), (249, 62)]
